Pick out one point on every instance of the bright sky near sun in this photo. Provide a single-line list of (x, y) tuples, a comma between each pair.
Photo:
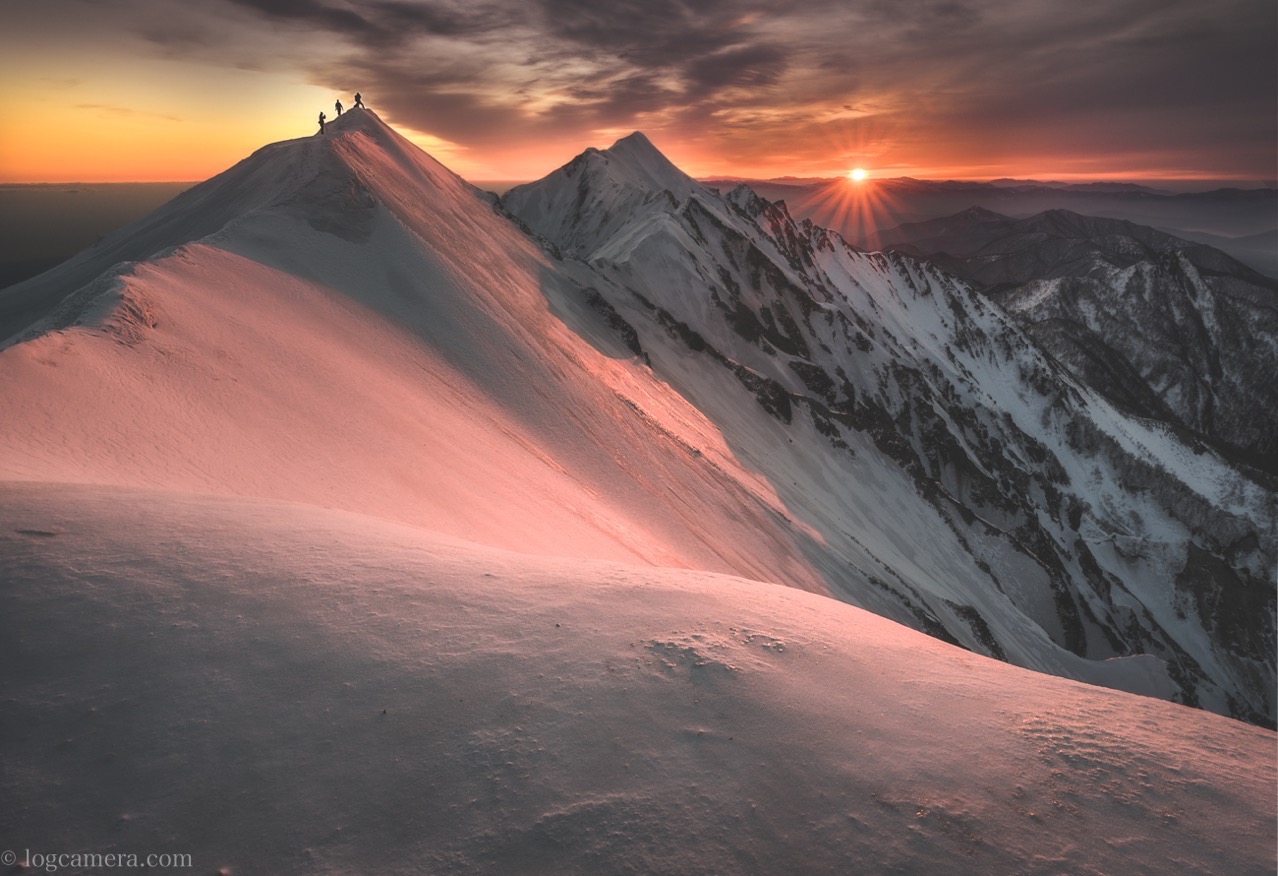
[(510, 89)]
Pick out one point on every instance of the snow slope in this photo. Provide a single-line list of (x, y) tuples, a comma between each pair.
[(355, 327), (277, 688)]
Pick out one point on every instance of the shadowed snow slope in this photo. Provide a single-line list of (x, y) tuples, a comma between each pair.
[(283, 689), (961, 480)]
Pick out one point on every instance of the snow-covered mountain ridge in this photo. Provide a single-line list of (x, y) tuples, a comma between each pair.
[(346, 527), (365, 332), (678, 378), (960, 480)]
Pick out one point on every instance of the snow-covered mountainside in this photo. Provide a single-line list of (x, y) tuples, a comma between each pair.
[(365, 332), (285, 689), (1167, 328), (345, 526), (953, 476)]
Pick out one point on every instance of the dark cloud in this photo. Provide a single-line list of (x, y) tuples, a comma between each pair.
[(614, 101), (1177, 81), (384, 23), (648, 32), (755, 66), (176, 37), (1189, 79), (312, 12)]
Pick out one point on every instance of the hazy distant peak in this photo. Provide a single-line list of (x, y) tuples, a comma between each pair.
[(1114, 187), (983, 215), (1010, 182), (1068, 223)]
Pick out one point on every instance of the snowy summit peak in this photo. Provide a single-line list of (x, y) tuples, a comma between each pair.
[(647, 164), (358, 119), (600, 191), (334, 179), (635, 144)]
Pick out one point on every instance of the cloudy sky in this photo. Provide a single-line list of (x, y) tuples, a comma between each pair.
[(510, 89)]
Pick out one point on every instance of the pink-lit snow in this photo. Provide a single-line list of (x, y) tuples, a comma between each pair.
[(283, 689)]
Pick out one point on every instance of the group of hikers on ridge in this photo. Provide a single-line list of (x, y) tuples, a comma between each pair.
[(359, 104)]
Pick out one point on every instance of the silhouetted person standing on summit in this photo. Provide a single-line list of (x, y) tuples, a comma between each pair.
[(338, 107), (359, 101), (321, 120)]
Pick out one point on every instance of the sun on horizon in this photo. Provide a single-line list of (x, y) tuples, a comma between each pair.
[(857, 174)]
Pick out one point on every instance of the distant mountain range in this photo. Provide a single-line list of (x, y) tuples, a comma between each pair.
[(1228, 218), (1031, 184)]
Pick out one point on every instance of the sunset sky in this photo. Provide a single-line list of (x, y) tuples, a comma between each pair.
[(510, 89)]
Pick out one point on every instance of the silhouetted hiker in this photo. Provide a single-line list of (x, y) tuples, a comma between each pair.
[(359, 101), (338, 106), (322, 117)]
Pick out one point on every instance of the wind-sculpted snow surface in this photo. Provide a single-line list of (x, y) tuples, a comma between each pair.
[(274, 688), (959, 480)]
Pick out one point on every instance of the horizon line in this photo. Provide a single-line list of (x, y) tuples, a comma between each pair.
[(1046, 179)]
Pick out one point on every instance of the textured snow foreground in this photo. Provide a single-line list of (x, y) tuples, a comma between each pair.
[(278, 688)]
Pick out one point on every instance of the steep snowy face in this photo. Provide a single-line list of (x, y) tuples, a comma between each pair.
[(1169, 340), (959, 480), (1164, 327)]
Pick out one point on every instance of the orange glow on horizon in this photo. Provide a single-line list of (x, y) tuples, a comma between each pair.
[(96, 145), (859, 204), (150, 120), (153, 137)]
